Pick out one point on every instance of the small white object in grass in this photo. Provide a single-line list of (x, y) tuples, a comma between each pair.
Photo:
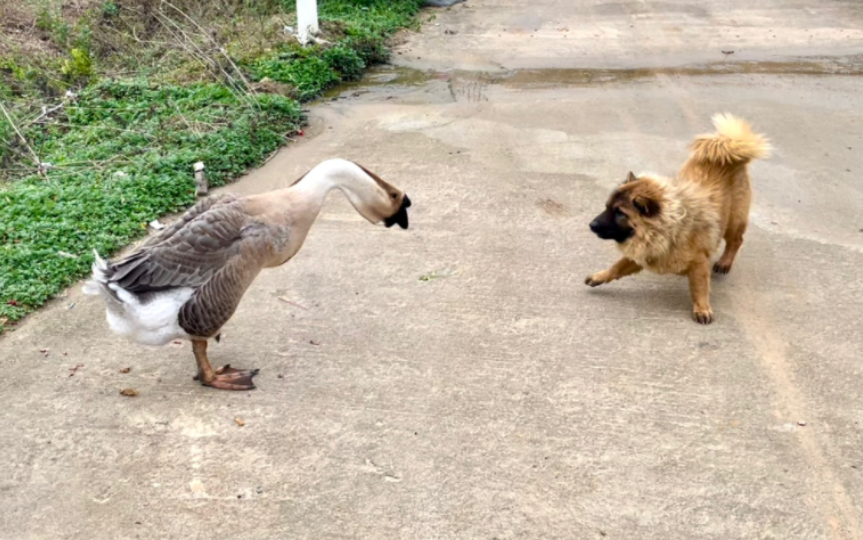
[(156, 225), (67, 255), (120, 174), (289, 29), (201, 187)]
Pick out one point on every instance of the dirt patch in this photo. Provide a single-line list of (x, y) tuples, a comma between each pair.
[(22, 24)]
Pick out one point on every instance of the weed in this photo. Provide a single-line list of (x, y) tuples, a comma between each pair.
[(110, 9), (78, 69), (345, 62)]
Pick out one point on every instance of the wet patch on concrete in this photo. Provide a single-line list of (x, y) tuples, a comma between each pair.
[(471, 86)]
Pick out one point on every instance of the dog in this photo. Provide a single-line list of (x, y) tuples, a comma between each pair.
[(675, 225)]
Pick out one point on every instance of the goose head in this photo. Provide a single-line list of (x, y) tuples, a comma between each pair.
[(375, 199)]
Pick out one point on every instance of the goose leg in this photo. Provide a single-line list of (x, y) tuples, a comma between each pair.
[(226, 377)]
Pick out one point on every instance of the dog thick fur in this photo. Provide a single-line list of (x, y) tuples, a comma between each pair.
[(675, 226)]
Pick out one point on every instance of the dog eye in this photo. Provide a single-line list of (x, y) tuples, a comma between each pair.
[(618, 212)]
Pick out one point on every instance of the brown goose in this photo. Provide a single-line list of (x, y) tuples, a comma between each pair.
[(186, 282)]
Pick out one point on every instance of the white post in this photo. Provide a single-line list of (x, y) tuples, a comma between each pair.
[(200, 179), (307, 20)]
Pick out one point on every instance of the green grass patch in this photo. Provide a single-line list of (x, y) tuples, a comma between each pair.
[(361, 27)]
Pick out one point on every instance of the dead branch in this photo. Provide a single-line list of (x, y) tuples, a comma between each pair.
[(214, 42), (36, 159)]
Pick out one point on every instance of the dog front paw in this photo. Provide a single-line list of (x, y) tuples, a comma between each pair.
[(722, 267), (595, 280), (702, 316)]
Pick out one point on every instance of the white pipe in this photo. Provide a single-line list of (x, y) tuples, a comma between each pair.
[(307, 20)]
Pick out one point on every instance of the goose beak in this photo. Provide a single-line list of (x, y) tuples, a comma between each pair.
[(401, 217)]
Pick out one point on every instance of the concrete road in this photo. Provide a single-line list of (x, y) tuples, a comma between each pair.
[(457, 380)]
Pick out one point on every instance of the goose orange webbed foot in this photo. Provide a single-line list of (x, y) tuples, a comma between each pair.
[(228, 378)]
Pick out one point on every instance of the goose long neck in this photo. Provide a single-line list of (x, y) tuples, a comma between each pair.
[(312, 190)]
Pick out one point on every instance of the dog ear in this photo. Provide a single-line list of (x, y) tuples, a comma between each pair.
[(646, 206), (630, 178)]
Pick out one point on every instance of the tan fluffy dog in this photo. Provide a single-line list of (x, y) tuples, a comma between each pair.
[(674, 226)]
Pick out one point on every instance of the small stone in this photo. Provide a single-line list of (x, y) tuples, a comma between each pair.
[(239, 421), (128, 392), (126, 370), (801, 423)]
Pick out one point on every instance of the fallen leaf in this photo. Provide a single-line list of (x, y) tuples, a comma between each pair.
[(437, 274), (239, 421), (126, 370), (12, 302), (128, 392), (44, 351)]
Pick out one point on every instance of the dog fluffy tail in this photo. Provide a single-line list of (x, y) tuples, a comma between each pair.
[(734, 143)]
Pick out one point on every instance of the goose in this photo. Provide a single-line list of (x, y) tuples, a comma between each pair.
[(186, 282)]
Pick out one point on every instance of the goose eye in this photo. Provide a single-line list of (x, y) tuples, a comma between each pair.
[(394, 196)]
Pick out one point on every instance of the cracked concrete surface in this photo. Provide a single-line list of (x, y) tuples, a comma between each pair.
[(457, 380)]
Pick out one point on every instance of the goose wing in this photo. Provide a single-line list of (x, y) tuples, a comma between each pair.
[(193, 250), (191, 214)]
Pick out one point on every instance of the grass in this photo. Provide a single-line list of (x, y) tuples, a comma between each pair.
[(121, 153)]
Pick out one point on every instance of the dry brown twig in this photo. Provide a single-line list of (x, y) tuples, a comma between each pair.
[(36, 160), (189, 45), (219, 47)]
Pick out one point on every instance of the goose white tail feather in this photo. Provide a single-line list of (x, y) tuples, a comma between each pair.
[(94, 286), (149, 321)]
